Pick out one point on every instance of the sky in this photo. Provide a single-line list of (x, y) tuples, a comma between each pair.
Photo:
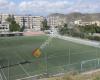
[(46, 7)]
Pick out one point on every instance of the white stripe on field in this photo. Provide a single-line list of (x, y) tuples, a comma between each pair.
[(24, 70)]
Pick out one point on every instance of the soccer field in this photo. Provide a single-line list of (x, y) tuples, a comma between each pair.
[(17, 62)]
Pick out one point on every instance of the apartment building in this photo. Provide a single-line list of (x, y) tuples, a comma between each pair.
[(23, 21), (37, 22), (96, 22), (31, 23), (3, 18), (4, 27), (83, 23), (55, 20)]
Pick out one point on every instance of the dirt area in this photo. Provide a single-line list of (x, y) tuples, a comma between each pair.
[(33, 33), (91, 75)]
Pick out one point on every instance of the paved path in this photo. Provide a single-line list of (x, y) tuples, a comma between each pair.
[(80, 41)]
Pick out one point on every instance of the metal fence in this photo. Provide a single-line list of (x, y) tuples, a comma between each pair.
[(50, 66), (83, 66)]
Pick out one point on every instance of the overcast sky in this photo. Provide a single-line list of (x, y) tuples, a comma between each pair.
[(45, 7)]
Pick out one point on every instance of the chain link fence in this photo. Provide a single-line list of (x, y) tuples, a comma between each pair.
[(50, 65)]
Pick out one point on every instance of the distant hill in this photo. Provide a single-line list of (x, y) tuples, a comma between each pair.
[(77, 16), (83, 16), (57, 14)]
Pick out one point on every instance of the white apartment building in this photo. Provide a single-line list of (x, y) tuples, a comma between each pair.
[(37, 22), (23, 21), (4, 27), (56, 20), (83, 23), (96, 22), (33, 23), (78, 22), (3, 18)]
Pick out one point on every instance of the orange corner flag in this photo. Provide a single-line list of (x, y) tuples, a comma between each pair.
[(36, 53)]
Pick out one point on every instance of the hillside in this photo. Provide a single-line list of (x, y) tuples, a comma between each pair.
[(83, 16), (77, 15)]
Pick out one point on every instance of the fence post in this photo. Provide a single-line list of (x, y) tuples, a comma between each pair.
[(69, 56), (46, 63), (98, 62), (81, 66), (8, 68)]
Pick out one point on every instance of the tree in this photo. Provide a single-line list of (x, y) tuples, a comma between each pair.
[(45, 26), (13, 26), (88, 29), (97, 29), (64, 30), (23, 27)]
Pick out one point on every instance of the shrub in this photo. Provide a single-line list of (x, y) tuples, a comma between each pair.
[(97, 38)]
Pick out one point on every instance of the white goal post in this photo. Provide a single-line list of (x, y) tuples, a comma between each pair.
[(86, 61)]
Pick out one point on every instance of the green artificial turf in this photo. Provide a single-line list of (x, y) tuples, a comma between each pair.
[(55, 56)]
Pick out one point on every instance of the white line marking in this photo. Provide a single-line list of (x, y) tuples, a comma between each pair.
[(24, 70), (23, 67)]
